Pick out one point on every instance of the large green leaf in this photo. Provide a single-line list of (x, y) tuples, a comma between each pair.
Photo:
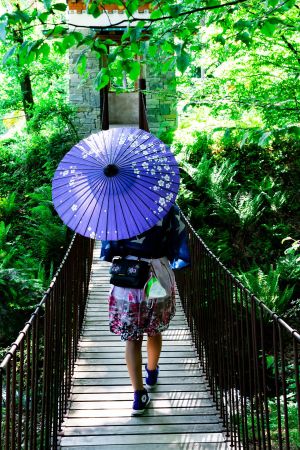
[(242, 23), (134, 70), (102, 79), (131, 7), (60, 6), (175, 10), (22, 16), (156, 14), (78, 36), (81, 63), (44, 50), (244, 37), (57, 31), (69, 41), (268, 28), (220, 39), (182, 61), (3, 25), (47, 3), (94, 9), (135, 34), (43, 17), (9, 54), (99, 48), (213, 2)]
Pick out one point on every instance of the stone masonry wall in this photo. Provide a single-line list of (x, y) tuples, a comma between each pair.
[(160, 101), (83, 96)]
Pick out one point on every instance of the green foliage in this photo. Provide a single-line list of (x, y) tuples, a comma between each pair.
[(241, 201), (19, 293), (55, 112), (47, 234), (292, 414), (3, 233), (266, 286), (8, 207), (32, 237)]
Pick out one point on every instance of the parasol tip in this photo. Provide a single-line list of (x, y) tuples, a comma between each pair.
[(111, 170)]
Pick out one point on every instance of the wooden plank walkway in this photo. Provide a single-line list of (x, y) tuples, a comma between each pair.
[(181, 414)]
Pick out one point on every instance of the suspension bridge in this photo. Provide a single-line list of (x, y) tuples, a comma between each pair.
[(64, 383)]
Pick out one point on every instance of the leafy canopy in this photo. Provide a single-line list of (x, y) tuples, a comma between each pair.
[(168, 38)]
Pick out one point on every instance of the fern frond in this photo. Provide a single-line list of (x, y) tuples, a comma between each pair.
[(4, 230), (267, 288), (247, 207)]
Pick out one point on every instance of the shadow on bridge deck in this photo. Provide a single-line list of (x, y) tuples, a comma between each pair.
[(181, 415)]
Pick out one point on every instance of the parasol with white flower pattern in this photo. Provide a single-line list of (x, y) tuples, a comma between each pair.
[(115, 184)]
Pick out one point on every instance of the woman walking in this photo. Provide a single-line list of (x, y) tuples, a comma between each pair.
[(111, 186), (148, 310)]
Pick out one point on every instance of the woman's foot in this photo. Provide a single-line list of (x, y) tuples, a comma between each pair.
[(151, 377), (140, 402)]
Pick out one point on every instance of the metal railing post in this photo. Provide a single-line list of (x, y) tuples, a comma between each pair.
[(35, 375), (250, 355)]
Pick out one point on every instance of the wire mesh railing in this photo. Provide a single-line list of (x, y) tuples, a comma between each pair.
[(35, 375), (249, 354)]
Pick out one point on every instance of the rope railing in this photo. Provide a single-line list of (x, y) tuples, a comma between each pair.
[(249, 354), (35, 375)]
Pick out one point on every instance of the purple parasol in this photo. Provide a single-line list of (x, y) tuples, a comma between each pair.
[(115, 184)]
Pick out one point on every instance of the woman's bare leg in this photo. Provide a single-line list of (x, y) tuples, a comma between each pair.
[(134, 363), (154, 344)]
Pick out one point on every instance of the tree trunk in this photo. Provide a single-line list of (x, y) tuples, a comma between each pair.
[(25, 81), (27, 96)]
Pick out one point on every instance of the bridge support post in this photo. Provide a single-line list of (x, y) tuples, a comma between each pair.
[(104, 108), (143, 123)]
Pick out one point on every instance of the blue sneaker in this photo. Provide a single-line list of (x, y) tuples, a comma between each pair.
[(151, 377), (140, 402)]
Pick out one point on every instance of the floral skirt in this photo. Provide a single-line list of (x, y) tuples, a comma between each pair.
[(131, 313)]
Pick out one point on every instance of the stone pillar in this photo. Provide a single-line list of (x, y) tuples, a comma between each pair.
[(161, 101), (82, 94)]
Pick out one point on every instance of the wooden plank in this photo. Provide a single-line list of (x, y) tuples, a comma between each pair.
[(143, 420), (121, 367), (97, 397), (93, 319), (178, 438), (118, 355), (117, 352), (103, 320), (146, 446), (170, 411), (110, 372), (116, 343), (97, 381), (104, 328), (82, 361), (112, 338), (157, 404), (174, 333), (171, 388), (126, 429), (168, 334)]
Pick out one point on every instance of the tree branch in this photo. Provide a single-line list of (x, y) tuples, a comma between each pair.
[(291, 47), (184, 13)]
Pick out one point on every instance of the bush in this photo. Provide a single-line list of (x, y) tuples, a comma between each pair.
[(33, 239), (241, 200)]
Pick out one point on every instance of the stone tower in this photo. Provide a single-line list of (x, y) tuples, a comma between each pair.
[(100, 110)]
